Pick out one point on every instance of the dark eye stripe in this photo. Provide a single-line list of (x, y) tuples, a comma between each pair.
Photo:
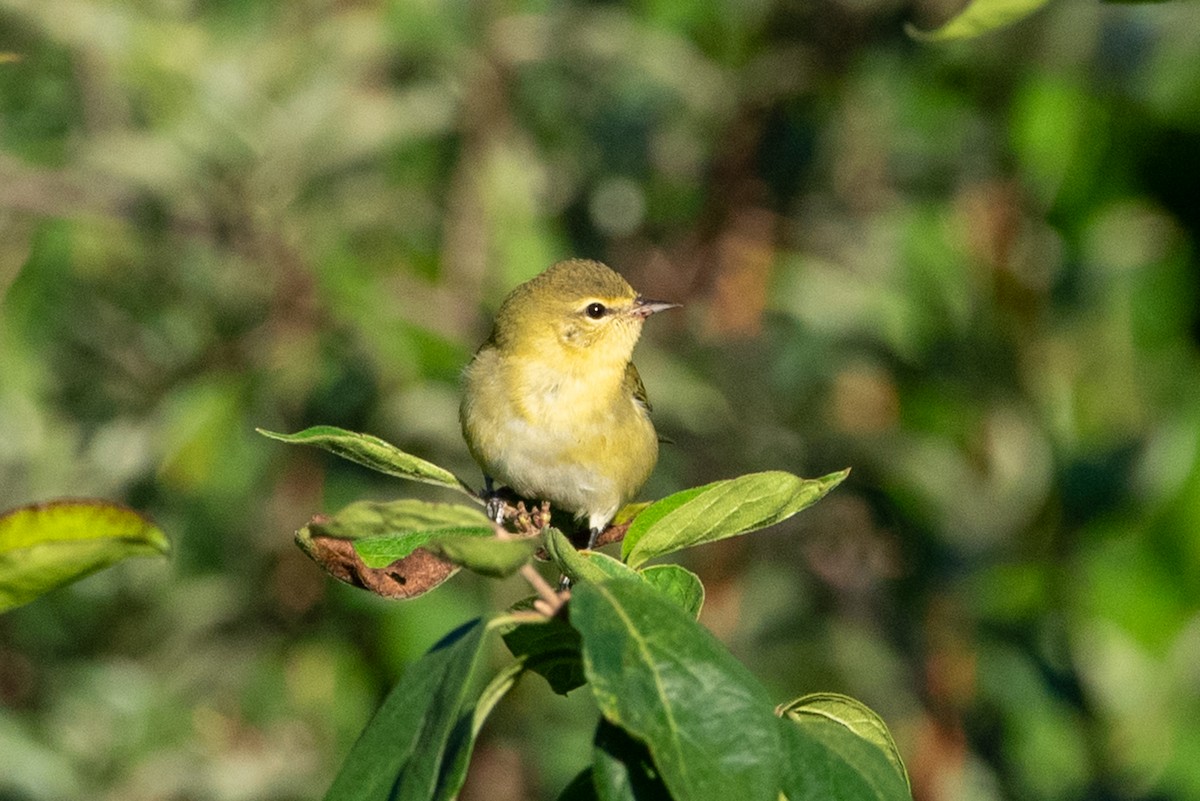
[(595, 310)]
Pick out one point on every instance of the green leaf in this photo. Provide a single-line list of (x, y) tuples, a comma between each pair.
[(623, 769), (854, 715), (839, 749), (416, 746), (552, 650), (376, 454), (719, 510), (678, 583), (663, 678), (385, 532), (47, 545), (582, 565), (488, 556), (979, 17)]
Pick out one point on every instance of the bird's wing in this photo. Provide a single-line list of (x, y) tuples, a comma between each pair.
[(633, 383)]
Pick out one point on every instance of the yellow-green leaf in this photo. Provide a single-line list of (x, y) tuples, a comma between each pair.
[(487, 556), (979, 17), (678, 583), (375, 453), (47, 545)]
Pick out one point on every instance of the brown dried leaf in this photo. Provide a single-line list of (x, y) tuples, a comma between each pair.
[(415, 574)]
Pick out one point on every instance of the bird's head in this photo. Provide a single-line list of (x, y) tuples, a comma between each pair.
[(577, 309)]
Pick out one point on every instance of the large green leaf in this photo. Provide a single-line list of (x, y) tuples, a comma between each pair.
[(415, 748), (719, 510), (374, 453), (51, 544), (838, 749), (663, 678), (979, 17)]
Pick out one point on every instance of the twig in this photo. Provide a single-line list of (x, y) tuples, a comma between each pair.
[(548, 601)]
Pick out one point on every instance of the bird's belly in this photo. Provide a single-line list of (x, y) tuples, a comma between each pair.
[(581, 467), (559, 464)]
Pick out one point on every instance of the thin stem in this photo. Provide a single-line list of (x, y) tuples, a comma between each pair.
[(549, 601)]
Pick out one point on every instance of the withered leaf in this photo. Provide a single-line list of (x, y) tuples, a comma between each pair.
[(414, 575)]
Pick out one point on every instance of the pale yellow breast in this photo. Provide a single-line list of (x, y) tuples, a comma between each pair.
[(577, 440)]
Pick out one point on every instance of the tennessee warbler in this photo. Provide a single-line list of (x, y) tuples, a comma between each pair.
[(552, 405)]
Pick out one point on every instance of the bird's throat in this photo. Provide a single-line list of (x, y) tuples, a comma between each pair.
[(568, 394)]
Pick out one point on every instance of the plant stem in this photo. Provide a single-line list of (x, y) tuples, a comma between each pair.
[(549, 601)]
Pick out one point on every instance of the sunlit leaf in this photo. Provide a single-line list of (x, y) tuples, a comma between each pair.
[(663, 678), (47, 545), (677, 583), (721, 509), (979, 17), (488, 556), (375, 453), (386, 531), (582, 565)]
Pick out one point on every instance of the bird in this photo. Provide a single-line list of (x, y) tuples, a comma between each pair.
[(552, 405)]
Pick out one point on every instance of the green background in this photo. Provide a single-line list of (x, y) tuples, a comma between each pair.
[(967, 270)]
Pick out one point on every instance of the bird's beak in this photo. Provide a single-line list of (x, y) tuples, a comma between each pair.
[(644, 308)]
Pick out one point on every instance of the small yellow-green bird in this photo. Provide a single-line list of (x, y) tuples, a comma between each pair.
[(552, 405)]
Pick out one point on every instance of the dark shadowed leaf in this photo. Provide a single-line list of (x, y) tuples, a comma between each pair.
[(622, 769), (375, 453), (47, 545), (550, 649), (719, 510), (581, 788), (663, 678), (839, 749)]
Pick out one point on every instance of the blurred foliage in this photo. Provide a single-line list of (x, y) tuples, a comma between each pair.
[(969, 271)]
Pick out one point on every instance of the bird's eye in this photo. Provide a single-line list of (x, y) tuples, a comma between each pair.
[(595, 310)]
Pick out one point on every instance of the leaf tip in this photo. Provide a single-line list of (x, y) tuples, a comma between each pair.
[(920, 35)]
